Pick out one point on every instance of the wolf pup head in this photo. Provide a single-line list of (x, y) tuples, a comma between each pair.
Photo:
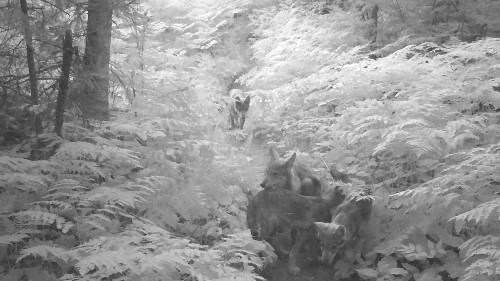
[(242, 108), (278, 173), (332, 237)]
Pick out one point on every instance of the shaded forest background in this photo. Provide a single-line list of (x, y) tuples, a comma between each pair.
[(132, 174)]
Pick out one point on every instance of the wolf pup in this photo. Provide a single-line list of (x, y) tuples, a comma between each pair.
[(291, 175), (238, 111), (281, 210), (343, 231)]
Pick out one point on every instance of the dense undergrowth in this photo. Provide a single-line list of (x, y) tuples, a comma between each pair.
[(420, 126), (97, 207), (160, 192)]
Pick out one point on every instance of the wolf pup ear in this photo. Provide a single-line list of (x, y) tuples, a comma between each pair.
[(273, 153), (289, 162), (341, 230), (247, 100)]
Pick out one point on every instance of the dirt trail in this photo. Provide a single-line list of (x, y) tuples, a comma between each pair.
[(309, 272)]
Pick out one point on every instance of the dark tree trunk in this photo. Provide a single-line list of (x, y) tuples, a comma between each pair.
[(374, 17), (28, 37), (369, 12), (63, 81), (96, 60)]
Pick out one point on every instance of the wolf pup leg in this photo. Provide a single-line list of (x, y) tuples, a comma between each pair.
[(302, 237)]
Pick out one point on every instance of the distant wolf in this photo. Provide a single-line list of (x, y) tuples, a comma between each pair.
[(290, 174), (238, 111), (280, 210), (344, 229)]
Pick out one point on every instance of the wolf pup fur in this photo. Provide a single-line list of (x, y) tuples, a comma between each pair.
[(281, 210), (238, 111), (343, 231), (291, 175)]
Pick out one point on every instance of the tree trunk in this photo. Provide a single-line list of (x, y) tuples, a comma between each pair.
[(28, 37), (374, 17), (369, 12), (96, 60), (63, 81), (401, 13)]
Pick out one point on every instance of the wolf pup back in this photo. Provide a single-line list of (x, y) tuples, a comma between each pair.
[(238, 111), (290, 175)]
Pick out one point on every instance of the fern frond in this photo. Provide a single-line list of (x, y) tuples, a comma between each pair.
[(67, 189), (370, 123), (148, 184), (25, 182), (65, 186), (120, 157), (14, 238), (471, 246), (52, 203), (14, 165), (482, 160), (110, 262), (77, 150), (95, 224), (19, 165), (43, 218), (46, 252), (69, 196), (99, 217), (69, 184), (482, 214), (83, 167), (80, 155), (428, 192), (481, 254), (114, 195), (412, 123), (240, 247), (415, 141), (143, 131)]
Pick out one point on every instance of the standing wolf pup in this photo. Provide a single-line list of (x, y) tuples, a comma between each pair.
[(281, 210), (238, 111), (291, 175), (343, 231)]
